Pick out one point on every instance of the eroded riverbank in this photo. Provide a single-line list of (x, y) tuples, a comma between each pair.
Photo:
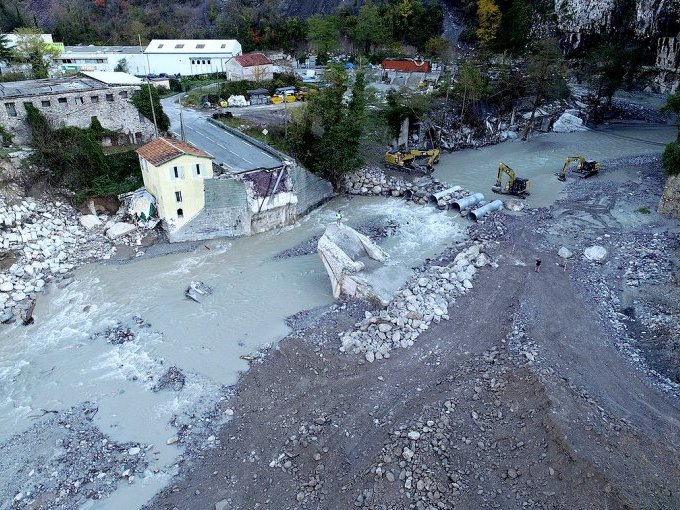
[(57, 364)]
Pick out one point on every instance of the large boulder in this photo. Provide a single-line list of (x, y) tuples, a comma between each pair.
[(89, 221), (565, 253), (119, 229), (344, 253), (568, 123), (595, 253)]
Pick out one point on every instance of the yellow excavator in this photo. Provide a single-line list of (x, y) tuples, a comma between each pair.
[(585, 168), (406, 159), (515, 186)]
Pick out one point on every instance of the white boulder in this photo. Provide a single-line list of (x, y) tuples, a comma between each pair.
[(89, 221), (595, 253), (565, 253), (514, 205), (568, 123)]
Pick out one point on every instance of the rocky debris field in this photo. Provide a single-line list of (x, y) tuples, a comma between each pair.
[(42, 240), (521, 399), (78, 462)]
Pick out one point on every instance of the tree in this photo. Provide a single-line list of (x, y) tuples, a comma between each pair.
[(122, 66), (607, 69), (545, 77), (471, 87), (671, 155), (5, 51), (31, 49), (141, 100), (437, 47), (516, 27), (327, 131), (489, 21), (370, 28), (324, 33)]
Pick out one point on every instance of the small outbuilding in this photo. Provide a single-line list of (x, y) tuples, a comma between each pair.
[(251, 66), (259, 96)]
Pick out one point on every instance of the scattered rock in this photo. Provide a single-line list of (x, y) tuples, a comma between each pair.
[(565, 253), (595, 253), (197, 291)]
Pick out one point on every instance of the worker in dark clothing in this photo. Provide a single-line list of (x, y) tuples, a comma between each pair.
[(538, 265)]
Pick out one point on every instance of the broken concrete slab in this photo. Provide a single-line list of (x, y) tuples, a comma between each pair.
[(197, 291), (119, 229), (341, 249), (568, 123)]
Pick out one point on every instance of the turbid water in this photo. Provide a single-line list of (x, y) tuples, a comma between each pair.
[(55, 363)]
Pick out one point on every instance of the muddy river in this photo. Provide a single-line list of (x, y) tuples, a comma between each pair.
[(56, 363)]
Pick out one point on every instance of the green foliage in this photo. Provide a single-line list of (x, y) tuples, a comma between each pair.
[(370, 28), (5, 51), (671, 155), (402, 105), (470, 88), (324, 32), (326, 135), (75, 159), (643, 210), (122, 66), (437, 47), (5, 137), (489, 21), (671, 158), (608, 68), (515, 27), (140, 99), (31, 49)]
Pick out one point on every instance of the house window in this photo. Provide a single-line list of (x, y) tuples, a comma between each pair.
[(123, 93), (208, 61), (45, 103), (198, 169), (180, 213), (79, 100), (202, 61), (94, 99), (178, 196), (63, 100), (109, 97), (179, 46), (200, 46), (11, 109), (176, 172)]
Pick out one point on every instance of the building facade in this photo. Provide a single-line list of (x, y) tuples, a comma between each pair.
[(174, 173), (75, 101), (189, 57), (251, 66), (102, 58)]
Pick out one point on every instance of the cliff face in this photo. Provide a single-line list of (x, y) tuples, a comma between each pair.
[(657, 22)]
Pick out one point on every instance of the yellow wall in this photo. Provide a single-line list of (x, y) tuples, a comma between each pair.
[(162, 184)]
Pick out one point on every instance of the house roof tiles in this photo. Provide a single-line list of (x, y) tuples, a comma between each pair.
[(161, 150), (253, 59)]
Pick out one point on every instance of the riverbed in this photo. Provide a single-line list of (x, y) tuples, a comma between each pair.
[(60, 361)]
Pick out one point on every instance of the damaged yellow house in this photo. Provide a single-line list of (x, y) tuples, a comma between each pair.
[(174, 173)]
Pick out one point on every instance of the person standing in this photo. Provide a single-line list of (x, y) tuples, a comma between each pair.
[(538, 265)]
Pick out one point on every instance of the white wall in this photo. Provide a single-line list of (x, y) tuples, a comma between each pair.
[(93, 62), (182, 63)]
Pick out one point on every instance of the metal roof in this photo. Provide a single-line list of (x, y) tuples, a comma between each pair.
[(194, 46), (113, 77), (49, 86), (100, 50)]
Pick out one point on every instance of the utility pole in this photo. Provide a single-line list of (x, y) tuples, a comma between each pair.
[(182, 135), (148, 83)]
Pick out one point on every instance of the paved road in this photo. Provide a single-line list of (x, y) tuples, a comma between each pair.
[(234, 152)]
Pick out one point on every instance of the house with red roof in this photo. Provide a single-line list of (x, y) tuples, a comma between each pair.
[(251, 66)]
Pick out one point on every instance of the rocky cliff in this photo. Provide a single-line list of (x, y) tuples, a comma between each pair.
[(657, 22)]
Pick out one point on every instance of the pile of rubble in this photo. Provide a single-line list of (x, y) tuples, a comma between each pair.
[(39, 242), (424, 300)]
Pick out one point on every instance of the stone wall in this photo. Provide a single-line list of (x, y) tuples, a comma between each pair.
[(310, 189), (111, 106), (670, 200)]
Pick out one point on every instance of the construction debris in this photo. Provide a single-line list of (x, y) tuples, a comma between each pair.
[(197, 291)]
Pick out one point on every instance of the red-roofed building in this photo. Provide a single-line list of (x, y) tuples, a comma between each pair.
[(406, 65), (251, 66)]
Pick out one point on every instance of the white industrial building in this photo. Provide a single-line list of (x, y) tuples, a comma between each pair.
[(102, 58), (187, 57), (190, 57)]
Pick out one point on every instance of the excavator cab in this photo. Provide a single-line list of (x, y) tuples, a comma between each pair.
[(585, 168), (406, 159), (515, 186)]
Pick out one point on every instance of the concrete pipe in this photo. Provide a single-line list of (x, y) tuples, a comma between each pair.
[(435, 197), (467, 202), (408, 193), (481, 212)]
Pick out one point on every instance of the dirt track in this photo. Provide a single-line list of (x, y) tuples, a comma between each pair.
[(520, 400)]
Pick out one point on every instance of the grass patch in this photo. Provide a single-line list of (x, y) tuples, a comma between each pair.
[(275, 136), (643, 210)]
